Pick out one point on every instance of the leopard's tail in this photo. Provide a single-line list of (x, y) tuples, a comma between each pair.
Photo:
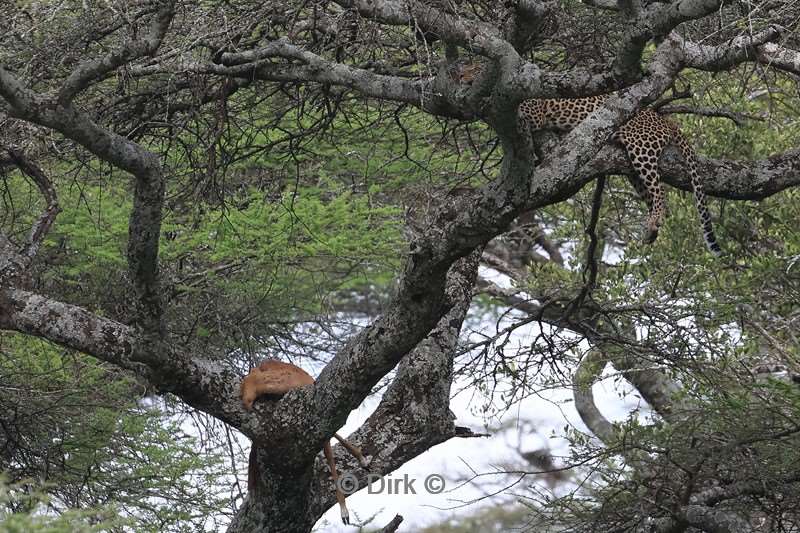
[(699, 194), (252, 470)]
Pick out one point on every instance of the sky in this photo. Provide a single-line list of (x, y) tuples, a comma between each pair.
[(534, 423), (457, 459), (530, 424)]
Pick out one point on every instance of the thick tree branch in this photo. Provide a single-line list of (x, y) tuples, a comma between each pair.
[(735, 180), (586, 374), (535, 83), (654, 21), (12, 263), (773, 55), (199, 382), (704, 518), (664, 17), (414, 414), (477, 36), (529, 15), (145, 222), (412, 417), (255, 65), (660, 391), (89, 71), (392, 526), (715, 495), (740, 50), (69, 326)]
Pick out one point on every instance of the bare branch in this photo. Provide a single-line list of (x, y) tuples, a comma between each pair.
[(773, 55), (741, 49), (16, 94), (590, 282), (42, 225), (199, 382), (145, 220), (586, 374), (502, 266), (738, 118), (255, 65), (477, 36), (510, 297), (14, 261), (87, 72)]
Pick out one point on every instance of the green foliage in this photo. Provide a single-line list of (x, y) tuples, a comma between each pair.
[(35, 518), (702, 322), (769, 119), (290, 236), (85, 437), (94, 228), (311, 230)]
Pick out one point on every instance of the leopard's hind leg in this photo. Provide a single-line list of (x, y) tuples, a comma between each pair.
[(644, 159)]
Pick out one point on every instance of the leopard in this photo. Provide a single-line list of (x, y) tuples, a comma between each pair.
[(644, 138)]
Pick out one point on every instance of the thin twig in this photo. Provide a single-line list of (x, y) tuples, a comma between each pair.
[(738, 118), (591, 261)]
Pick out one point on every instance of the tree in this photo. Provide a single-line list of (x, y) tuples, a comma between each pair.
[(192, 101)]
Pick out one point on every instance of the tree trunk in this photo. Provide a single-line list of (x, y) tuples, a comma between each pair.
[(278, 502)]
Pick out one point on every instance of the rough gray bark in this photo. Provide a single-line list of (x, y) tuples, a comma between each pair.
[(412, 416)]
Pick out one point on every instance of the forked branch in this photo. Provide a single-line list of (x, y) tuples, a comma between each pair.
[(96, 69), (14, 261)]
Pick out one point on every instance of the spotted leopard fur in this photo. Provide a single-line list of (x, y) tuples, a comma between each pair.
[(644, 137)]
